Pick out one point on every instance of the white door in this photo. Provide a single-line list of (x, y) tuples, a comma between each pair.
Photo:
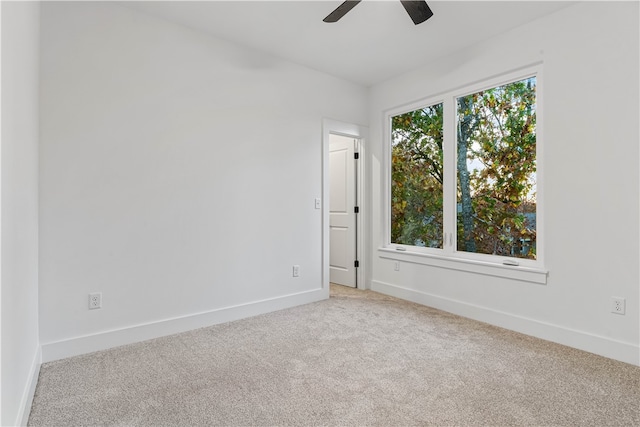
[(342, 217)]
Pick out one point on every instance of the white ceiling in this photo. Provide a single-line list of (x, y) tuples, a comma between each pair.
[(375, 41)]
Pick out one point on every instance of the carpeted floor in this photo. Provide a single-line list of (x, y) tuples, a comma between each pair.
[(359, 358)]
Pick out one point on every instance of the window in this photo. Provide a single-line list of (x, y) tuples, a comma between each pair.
[(463, 179), (417, 178), (496, 170)]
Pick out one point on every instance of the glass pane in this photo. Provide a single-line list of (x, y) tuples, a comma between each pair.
[(496, 168), (416, 178)]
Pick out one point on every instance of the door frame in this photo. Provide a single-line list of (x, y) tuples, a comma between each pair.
[(360, 133)]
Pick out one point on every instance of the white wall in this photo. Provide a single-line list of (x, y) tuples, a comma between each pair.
[(178, 176), (19, 214), (590, 54)]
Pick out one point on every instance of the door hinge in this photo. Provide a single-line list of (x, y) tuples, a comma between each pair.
[(356, 263), (356, 155), (356, 209)]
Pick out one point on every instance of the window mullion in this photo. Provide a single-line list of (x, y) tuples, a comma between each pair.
[(449, 185)]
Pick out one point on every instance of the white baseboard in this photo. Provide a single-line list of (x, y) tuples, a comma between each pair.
[(30, 389), (603, 346), (108, 339)]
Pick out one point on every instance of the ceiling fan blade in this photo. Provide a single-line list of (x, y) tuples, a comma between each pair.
[(418, 10), (341, 10)]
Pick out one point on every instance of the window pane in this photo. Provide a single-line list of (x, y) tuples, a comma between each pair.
[(416, 178), (496, 168)]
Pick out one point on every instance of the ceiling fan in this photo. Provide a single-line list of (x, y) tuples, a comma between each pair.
[(418, 10)]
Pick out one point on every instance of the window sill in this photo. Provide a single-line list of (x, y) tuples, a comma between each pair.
[(525, 274)]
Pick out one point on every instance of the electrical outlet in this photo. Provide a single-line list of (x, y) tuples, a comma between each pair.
[(296, 271), (617, 305), (396, 265), (95, 300)]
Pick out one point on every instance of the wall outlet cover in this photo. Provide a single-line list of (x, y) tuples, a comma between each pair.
[(618, 305), (95, 300)]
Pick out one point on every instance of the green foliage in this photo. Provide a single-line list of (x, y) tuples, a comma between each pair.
[(496, 176), (416, 175), (501, 158)]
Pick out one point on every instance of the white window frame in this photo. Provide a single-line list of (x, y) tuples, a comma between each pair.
[(448, 257)]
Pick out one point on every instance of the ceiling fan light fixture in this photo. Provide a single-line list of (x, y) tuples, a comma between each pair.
[(418, 10)]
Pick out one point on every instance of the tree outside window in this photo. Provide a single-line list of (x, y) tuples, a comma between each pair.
[(417, 178), (495, 164)]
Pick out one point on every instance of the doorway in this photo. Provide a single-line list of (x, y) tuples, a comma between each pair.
[(344, 249), (343, 210)]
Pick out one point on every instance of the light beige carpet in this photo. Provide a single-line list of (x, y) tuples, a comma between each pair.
[(359, 358)]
